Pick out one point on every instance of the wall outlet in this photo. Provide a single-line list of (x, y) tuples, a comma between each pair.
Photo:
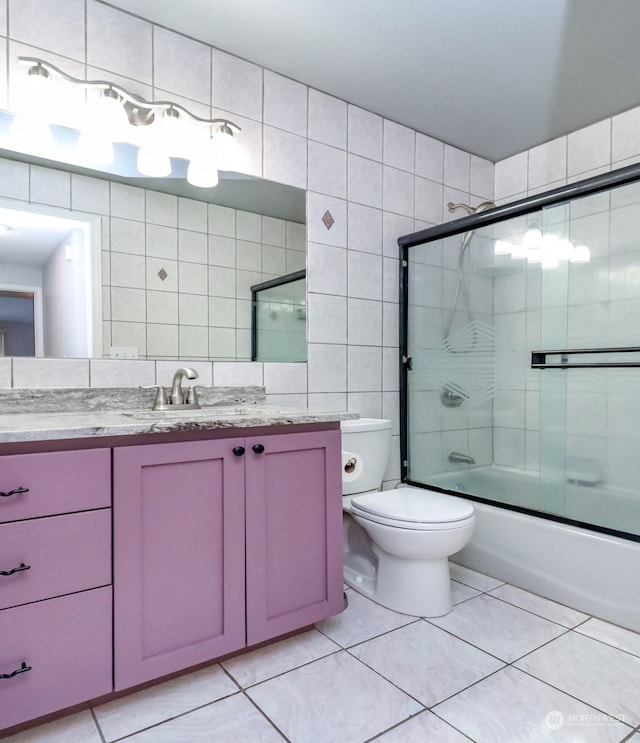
[(124, 352)]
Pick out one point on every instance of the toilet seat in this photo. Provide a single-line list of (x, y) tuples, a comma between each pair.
[(414, 508)]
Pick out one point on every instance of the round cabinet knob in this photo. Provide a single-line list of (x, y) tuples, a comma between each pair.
[(258, 448), (238, 450)]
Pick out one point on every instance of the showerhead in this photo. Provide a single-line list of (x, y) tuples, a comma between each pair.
[(482, 207)]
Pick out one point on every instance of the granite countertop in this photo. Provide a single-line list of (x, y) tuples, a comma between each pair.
[(36, 422), (49, 426)]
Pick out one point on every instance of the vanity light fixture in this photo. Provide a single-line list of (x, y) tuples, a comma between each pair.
[(159, 129)]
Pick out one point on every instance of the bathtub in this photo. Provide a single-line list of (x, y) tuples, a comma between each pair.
[(587, 570)]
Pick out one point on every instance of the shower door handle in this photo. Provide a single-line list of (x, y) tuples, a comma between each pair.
[(539, 359)]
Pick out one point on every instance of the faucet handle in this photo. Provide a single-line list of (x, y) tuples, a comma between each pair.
[(192, 396), (161, 401)]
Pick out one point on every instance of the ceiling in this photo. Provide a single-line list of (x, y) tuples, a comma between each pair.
[(493, 77), (28, 238)]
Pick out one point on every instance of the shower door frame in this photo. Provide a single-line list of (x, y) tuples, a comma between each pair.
[(521, 207)]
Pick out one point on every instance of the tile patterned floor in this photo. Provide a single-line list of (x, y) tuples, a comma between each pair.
[(505, 666)]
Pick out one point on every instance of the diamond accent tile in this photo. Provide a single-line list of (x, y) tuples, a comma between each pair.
[(328, 219), (162, 274)]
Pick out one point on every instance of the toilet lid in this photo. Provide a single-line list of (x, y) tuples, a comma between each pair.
[(414, 505)]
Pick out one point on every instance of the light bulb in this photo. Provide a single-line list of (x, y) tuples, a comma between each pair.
[(31, 133), (227, 148), (153, 158), (174, 133), (92, 148), (203, 168), (153, 162), (106, 114)]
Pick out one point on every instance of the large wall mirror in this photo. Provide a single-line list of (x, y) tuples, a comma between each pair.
[(173, 284)]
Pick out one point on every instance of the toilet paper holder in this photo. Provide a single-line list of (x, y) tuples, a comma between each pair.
[(350, 465)]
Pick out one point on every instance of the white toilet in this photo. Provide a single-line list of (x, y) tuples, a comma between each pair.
[(396, 542)]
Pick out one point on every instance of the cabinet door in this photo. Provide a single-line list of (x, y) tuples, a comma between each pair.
[(65, 646), (178, 557), (294, 532)]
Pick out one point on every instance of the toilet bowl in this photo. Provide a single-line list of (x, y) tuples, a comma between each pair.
[(397, 542)]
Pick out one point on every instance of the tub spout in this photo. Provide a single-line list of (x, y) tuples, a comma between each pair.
[(456, 456)]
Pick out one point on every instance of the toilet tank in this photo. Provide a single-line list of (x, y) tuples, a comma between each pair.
[(366, 445)]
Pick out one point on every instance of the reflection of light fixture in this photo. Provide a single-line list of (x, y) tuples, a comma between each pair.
[(502, 247), (546, 249), (160, 129), (580, 254), (520, 251), (532, 238)]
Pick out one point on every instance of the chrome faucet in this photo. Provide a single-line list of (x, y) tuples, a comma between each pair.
[(177, 398), (456, 456)]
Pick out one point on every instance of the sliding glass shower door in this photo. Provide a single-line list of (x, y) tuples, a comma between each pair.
[(521, 342)]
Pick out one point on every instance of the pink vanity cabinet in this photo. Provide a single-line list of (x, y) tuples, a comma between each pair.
[(55, 581), (221, 544)]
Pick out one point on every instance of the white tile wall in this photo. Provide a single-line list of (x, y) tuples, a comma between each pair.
[(364, 133), (119, 42), (377, 178), (327, 119), (181, 65)]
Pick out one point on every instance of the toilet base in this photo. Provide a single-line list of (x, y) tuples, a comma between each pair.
[(420, 588)]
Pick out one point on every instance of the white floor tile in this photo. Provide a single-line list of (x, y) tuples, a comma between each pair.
[(550, 610), (498, 628), (599, 674), (619, 637), (460, 592), (426, 662), (232, 719), (362, 620), (423, 728), (472, 578), (333, 700), (511, 706), (160, 702), (574, 679), (272, 660), (79, 728)]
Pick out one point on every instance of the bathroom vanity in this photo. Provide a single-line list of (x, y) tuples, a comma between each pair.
[(134, 546)]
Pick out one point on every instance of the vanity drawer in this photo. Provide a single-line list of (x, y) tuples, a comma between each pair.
[(55, 482), (64, 554), (66, 642)]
